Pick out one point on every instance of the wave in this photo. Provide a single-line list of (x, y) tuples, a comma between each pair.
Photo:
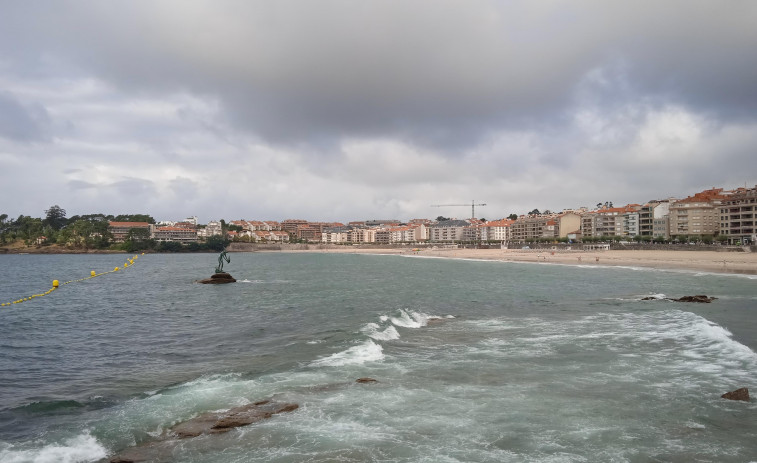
[(368, 351), (410, 319), (80, 448), (374, 331)]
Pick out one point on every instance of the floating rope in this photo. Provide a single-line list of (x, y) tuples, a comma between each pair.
[(56, 283)]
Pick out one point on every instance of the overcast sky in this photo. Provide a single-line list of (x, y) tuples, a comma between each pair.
[(340, 110)]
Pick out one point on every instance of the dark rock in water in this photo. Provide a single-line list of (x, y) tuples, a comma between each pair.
[(215, 422), (697, 298), (649, 298), (222, 276), (207, 423), (366, 380), (218, 279), (738, 394)]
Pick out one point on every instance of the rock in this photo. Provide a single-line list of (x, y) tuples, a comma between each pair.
[(218, 279), (215, 422), (207, 423), (222, 276), (738, 394), (697, 298), (649, 298), (366, 380)]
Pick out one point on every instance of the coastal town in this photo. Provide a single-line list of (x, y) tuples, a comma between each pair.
[(712, 215)]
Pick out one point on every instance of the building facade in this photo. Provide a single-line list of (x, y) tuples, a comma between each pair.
[(738, 216)]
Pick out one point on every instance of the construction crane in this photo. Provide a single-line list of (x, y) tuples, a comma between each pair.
[(472, 207)]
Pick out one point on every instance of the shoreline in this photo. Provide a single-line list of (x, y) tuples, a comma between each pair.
[(702, 261)]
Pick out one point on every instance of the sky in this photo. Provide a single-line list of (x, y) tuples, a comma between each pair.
[(341, 110)]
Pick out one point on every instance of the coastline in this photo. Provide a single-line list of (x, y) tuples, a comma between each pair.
[(702, 261)]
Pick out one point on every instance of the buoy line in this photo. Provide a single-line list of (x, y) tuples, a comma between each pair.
[(57, 284)]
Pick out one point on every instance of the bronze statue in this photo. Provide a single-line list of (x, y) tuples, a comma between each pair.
[(221, 258)]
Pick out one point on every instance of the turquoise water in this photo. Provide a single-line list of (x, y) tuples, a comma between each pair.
[(476, 361)]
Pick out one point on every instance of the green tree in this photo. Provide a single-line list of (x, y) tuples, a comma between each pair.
[(216, 243), (56, 217), (513, 216)]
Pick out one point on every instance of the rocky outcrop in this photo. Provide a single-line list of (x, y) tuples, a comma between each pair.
[(738, 394), (207, 423), (218, 279), (215, 422)]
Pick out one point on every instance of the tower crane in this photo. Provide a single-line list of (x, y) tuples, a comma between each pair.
[(472, 207)]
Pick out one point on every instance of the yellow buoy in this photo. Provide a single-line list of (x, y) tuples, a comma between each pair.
[(55, 283), (115, 269), (92, 273)]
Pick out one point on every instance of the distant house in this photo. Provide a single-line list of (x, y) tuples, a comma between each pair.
[(120, 230), (180, 234)]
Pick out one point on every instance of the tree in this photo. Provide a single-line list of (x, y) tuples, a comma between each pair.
[(513, 216), (534, 212), (216, 243), (441, 218), (56, 217)]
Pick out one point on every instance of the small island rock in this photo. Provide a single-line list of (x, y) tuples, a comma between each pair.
[(738, 394)]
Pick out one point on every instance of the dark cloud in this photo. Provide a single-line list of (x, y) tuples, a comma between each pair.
[(439, 73)]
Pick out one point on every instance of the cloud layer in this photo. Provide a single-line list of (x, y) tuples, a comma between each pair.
[(341, 110)]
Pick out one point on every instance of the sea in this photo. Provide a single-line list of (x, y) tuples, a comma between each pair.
[(474, 361)]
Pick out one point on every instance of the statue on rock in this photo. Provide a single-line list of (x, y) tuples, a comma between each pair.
[(220, 276)]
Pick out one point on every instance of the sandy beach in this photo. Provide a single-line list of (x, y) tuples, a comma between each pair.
[(705, 261)]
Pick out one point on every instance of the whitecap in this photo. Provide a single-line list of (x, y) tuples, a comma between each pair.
[(368, 351), (373, 330), (80, 448), (410, 320)]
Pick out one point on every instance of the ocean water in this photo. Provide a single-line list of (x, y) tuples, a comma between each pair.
[(476, 361)]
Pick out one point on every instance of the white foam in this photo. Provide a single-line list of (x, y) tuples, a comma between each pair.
[(410, 320), (373, 330), (80, 448), (368, 351)]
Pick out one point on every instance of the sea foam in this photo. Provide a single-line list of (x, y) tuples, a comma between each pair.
[(410, 319), (368, 351), (80, 448), (374, 331)]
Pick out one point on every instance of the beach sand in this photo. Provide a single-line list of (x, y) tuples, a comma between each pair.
[(704, 261)]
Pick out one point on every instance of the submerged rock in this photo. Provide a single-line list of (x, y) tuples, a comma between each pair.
[(366, 380), (697, 298), (738, 394), (207, 423)]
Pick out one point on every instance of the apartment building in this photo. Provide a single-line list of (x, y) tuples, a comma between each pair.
[(611, 221), (180, 234), (497, 231), (533, 227), (652, 215), (698, 214), (448, 230), (738, 216)]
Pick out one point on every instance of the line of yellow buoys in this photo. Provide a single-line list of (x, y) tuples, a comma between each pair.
[(56, 283)]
